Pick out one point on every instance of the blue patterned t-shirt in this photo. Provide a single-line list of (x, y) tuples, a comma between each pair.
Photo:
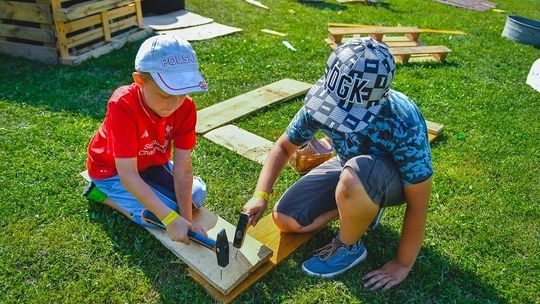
[(398, 132)]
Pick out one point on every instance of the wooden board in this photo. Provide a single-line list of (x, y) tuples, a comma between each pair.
[(391, 41), (266, 232), (203, 262), (224, 112), (431, 52), (247, 144)]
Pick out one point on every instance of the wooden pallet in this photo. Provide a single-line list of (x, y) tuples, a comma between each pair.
[(68, 32), (202, 261), (406, 47)]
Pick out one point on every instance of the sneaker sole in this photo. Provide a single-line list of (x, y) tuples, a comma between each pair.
[(333, 274)]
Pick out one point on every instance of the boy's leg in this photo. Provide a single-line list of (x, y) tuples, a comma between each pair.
[(124, 202), (366, 183), (161, 179), (309, 204)]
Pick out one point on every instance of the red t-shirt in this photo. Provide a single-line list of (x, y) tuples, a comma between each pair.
[(131, 129)]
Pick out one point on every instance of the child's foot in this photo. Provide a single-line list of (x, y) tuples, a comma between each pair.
[(334, 258)]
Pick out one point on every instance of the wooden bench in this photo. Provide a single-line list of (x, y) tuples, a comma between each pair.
[(405, 48), (336, 34), (437, 52)]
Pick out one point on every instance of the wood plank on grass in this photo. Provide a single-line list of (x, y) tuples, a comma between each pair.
[(247, 144), (224, 112), (266, 232), (203, 262)]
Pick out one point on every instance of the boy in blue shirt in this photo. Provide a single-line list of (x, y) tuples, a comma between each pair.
[(383, 159)]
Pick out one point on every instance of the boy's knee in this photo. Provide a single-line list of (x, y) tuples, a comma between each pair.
[(285, 223), (349, 183), (198, 192)]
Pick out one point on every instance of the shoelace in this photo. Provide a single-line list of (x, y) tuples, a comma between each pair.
[(328, 250)]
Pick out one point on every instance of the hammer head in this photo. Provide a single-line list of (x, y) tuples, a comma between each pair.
[(222, 248)]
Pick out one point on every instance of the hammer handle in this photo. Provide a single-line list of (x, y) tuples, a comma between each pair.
[(201, 239)]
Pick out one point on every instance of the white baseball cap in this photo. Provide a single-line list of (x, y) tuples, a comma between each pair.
[(172, 63)]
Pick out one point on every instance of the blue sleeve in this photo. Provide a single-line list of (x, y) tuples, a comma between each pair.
[(302, 128), (413, 157)]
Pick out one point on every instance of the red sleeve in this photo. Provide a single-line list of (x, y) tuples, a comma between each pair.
[(123, 129), (185, 137)]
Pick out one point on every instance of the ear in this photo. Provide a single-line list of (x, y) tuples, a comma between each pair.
[(137, 78)]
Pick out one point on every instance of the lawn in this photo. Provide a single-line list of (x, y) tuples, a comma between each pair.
[(482, 240)]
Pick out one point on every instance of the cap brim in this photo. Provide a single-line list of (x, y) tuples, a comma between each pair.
[(343, 117), (180, 83)]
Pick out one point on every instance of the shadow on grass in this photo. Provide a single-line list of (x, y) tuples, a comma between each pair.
[(433, 280), (430, 64), (325, 5), (82, 89), (166, 272)]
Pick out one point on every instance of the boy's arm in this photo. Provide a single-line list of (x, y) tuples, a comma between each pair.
[(412, 235), (281, 152), (130, 178), (183, 183)]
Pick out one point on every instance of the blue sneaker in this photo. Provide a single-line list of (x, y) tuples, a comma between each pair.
[(334, 258)]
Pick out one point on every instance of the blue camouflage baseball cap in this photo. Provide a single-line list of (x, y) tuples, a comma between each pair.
[(356, 83)]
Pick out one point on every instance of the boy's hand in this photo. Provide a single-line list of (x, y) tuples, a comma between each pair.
[(198, 229), (391, 274), (255, 208), (178, 230)]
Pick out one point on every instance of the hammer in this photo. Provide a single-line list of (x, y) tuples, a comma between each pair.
[(220, 246)]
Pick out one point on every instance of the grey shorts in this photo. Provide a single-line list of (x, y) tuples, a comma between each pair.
[(314, 193)]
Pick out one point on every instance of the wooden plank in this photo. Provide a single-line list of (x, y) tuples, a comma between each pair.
[(89, 8), (96, 19), (34, 52), (423, 30), (426, 49), (203, 261), (271, 32), (391, 41), (116, 43), (373, 30), (97, 34), (249, 145), (20, 11), (420, 53), (224, 112), (29, 33), (266, 232)]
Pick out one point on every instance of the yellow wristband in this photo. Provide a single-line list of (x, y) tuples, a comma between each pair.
[(169, 218), (262, 194)]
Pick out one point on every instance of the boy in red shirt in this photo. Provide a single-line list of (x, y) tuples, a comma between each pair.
[(128, 157)]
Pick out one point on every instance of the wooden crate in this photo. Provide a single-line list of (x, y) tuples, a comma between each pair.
[(68, 31)]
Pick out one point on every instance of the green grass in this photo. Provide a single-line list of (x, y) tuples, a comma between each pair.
[(483, 231)]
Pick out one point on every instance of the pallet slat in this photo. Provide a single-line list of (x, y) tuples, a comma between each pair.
[(20, 11), (88, 8), (29, 33)]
